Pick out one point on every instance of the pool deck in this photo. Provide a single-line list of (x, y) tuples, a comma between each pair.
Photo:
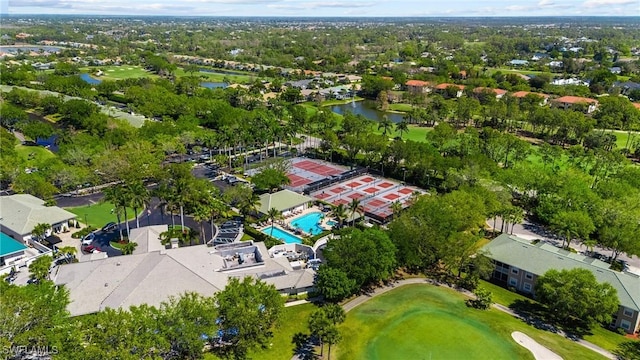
[(285, 224)]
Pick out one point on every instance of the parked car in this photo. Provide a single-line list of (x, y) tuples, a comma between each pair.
[(88, 249), (110, 227), (88, 239)]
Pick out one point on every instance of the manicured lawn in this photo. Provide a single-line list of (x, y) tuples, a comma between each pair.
[(400, 107), (119, 72), (429, 322), (34, 155), (416, 133), (98, 214), (294, 320)]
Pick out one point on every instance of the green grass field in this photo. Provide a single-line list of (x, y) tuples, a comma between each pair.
[(33, 155), (99, 214), (428, 322), (119, 72), (294, 320), (400, 107)]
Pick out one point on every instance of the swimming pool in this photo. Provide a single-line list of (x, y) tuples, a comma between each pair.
[(282, 235), (332, 223), (309, 223)]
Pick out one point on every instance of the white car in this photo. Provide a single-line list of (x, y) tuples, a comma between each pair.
[(88, 239)]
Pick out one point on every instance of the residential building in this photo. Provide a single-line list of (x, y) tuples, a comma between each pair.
[(154, 277), (499, 93), (519, 263), (443, 89), (520, 94), (20, 213), (284, 201), (567, 102), (418, 86), (516, 62)]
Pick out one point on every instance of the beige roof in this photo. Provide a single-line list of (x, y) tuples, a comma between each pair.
[(20, 213), (282, 200), (148, 238), (153, 277)]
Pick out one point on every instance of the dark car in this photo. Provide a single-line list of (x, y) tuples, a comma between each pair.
[(88, 249), (110, 227)]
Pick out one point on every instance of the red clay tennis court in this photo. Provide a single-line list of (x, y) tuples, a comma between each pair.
[(391, 196), (375, 203), (353, 184), (297, 180), (371, 190), (405, 191), (367, 179), (385, 185), (338, 189), (355, 195), (323, 196), (340, 201)]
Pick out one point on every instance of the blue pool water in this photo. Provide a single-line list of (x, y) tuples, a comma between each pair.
[(282, 235), (332, 223), (308, 223), (9, 245)]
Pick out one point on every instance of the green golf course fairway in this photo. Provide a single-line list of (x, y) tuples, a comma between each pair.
[(423, 322)]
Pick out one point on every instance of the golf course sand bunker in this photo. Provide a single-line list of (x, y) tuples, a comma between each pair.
[(539, 352)]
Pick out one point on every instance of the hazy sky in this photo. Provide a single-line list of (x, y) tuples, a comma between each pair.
[(326, 7)]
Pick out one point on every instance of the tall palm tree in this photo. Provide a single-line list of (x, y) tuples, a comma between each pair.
[(340, 213), (114, 196), (201, 213), (386, 125), (40, 230), (355, 208), (67, 252), (402, 127), (139, 197), (273, 214)]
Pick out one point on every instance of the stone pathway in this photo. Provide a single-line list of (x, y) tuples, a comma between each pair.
[(539, 352)]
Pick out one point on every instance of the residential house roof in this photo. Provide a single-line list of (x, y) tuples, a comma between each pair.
[(417, 83), (521, 94), (282, 200), (20, 213), (495, 91), (154, 277), (443, 86), (575, 100), (540, 257)]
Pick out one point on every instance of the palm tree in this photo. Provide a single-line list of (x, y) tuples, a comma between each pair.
[(355, 208), (202, 213), (128, 248), (139, 197), (340, 213), (273, 214), (386, 125), (249, 203), (402, 127), (114, 196), (40, 230), (67, 252)]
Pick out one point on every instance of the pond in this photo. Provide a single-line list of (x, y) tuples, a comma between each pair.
[(90, 79), (213, 85), (366, 108)]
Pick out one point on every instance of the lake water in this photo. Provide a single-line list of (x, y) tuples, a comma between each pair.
[(213, 85), (28, 48), (88, 78), (366, 108)]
